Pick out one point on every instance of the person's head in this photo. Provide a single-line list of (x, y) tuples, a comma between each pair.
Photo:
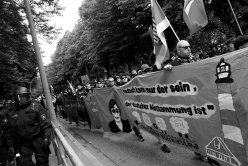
[(111, 81), (240, 42), (124, 80), (22, 96), (128, 77), (183, 49), (118, 80), (88, 88), (9, 104), (101, 84), (133, 73), (145, 68), (114, 110)]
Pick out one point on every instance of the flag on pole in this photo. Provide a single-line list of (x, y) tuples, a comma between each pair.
[(160, 23), (71, 87), (194, 15)]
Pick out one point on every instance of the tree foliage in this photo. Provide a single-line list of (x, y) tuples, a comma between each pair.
[(42, 11), (18, 61), (113, 34)]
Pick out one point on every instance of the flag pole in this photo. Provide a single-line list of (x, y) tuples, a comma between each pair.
[(169, 22), (235, 17), (174, 33)]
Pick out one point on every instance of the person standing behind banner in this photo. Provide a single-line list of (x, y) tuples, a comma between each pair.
[(63, 98), (71, 107), (241, 42), (82, 108), (134, 73), (111, 82), (184, 55), (146, 69), (60, 105), (54, 101)]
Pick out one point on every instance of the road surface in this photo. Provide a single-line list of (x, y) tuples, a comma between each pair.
[(124, 149)]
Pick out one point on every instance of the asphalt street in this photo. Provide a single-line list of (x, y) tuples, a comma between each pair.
[(124, 149)]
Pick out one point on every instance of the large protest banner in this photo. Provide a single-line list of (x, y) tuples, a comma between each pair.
[(91, 106), (201, 106), (112, 112)]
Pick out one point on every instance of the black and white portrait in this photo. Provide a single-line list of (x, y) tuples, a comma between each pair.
[(118, 124)]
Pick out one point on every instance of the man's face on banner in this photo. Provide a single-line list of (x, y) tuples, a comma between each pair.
[(116, 113)]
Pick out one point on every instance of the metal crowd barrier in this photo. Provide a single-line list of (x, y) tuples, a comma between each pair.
[(63, 149)]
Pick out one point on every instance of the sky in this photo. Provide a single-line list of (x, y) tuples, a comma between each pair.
[(67, 21)]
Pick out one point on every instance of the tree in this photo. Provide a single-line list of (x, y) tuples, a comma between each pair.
[(18, 63), (117, 29), (114, 33), (211, 40), (42, 11), (17, 56)]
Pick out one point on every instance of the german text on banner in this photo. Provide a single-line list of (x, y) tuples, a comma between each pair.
[(160, 23), (194, 15), (114, 116), (91, 106), (201, 106)]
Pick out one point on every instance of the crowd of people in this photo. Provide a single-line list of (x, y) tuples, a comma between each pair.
[(115, 80), (183, 55), (25, 127), (70, 106)]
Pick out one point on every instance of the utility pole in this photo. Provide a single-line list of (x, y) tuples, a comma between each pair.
[(40, 63)]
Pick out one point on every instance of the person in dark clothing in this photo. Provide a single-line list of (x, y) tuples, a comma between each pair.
[(6, 139), (60, 105), (32, 128), (183, 55), (71, 107), (60, 102), (54, 101), (42, 101), (82, 111), (241, 42)]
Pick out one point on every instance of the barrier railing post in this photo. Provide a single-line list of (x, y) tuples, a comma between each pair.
[(62, 153), (56, 149), (75, 160)]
